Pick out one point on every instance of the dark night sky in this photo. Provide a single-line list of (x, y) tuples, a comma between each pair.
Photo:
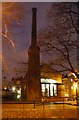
[(23, 38)]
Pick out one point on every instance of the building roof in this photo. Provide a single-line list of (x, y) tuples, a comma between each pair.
[(49, 81), (48, 72), (47, 68)]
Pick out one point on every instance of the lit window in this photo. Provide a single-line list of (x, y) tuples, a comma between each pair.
[(66, 95), (51, 89), (72, 87), (75, 85), (47, 90), (71, 80), (43, 89)]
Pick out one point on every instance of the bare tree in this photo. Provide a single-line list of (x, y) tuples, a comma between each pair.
[(12, 13), (21, 69), (60, 37)]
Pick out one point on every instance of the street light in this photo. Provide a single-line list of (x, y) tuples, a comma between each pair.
[(13, 89), (5, 88)]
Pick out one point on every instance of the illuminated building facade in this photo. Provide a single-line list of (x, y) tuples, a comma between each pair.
[(51, 82), (71, 86), (19, 88)]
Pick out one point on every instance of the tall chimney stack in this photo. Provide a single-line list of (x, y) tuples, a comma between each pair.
[(34, 37), (33, 81)]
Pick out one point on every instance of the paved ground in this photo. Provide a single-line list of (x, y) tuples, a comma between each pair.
[(40, 111)]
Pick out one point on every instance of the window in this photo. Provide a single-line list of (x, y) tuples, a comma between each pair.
[(43, 89), (49, 89)]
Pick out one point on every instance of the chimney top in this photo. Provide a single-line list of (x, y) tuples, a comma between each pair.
[(34, 9)]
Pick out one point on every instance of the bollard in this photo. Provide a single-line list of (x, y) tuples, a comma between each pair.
[(63, 103), (34, 104), (43, 104), (43, 100)]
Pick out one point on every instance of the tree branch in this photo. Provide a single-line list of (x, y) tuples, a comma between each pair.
[(73, 23)]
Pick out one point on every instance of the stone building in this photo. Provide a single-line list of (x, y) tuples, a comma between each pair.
[(71, 84), (51, 81)]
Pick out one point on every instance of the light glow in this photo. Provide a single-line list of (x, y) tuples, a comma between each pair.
[(48, 81), (66, 95), (13, 89), (74, 75), (5, 88), (19, 91), (18, 96), (72, 87), (75, 85), (71, 80)]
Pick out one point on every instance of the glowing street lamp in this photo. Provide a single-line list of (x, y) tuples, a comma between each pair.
[(19, 91), (18, 96), (13, 89), (5, 88)]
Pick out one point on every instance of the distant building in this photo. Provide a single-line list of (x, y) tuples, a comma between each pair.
[(51, 83), (6, 84), (6, 89), (19, 84), (71, 86)]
